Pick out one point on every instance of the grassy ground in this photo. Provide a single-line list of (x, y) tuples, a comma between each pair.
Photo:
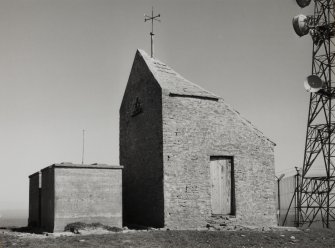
[(304, 238)]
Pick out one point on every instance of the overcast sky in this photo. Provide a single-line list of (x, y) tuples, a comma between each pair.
[(64, 65)]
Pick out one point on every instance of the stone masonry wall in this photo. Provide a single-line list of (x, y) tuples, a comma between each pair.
[(141, 148), (194, 130)]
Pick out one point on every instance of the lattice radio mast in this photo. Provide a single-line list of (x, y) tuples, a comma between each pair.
[(315, 194)]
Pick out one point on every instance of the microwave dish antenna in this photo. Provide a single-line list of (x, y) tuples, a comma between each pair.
[(313, 84), (300, 25), (303, 3)]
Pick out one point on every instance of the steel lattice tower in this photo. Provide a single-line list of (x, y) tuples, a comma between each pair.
[(315, 194)]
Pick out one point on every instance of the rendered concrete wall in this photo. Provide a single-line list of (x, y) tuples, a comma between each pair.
[(195, 129), (88, 195), (34, 200), (141, 150), (48, 199), (81, 193)]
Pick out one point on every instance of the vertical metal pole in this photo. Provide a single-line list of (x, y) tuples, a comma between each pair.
[(278, 202), (152, 33), (278, 191), (297, 198), (152, 18), (329, 118), (82, 156), (152, 45)]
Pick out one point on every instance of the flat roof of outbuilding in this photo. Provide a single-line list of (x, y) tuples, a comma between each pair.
[(85, 166)]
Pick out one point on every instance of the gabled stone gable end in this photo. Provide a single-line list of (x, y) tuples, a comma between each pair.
[(172, 135)]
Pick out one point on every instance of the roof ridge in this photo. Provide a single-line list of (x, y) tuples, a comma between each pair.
[(171, 80), (176, 84)]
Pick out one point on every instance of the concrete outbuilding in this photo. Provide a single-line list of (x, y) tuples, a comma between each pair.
[(190, 160), (34, 219), (77, 193)]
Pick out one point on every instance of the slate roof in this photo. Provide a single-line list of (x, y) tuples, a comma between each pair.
[(174, 83), (171, 81)]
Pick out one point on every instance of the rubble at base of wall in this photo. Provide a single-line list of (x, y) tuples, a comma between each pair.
[(228, 227), (233, 223), (231, 227), (221, 223)]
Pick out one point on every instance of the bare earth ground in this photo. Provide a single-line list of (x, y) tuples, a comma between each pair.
[(158, 238)]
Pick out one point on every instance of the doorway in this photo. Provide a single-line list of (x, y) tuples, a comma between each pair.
[(222, 185)]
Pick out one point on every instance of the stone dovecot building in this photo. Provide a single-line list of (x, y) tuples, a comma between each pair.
[(190, 159)]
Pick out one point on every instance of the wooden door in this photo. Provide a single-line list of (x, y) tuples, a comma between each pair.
[(220, 169)]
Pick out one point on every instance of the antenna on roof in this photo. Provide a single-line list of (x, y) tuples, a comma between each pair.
[(82, 156), (152, 18)]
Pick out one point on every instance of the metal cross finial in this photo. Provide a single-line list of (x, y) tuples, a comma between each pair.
[(152, 18)]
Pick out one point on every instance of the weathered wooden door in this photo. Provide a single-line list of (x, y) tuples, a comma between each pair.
[(220, 169)]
